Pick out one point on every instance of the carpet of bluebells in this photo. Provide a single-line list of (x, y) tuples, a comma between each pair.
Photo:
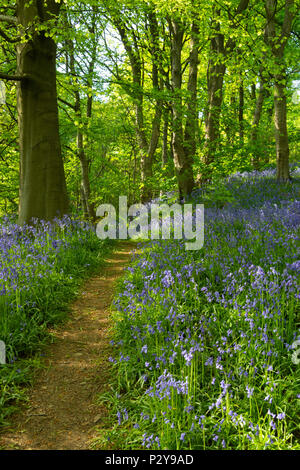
[(40, 269), (203, 345)]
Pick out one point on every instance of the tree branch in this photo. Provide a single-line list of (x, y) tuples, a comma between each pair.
[(70, 105), (16, 78), (8, 19)]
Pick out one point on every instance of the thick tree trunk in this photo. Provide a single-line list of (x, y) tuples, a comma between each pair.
[(277, 43), (215, 78), (182, 163), (43, 192), (212, 123), (191, 120)]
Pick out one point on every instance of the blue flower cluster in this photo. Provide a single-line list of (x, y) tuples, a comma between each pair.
[(212, 330), (38, 267)]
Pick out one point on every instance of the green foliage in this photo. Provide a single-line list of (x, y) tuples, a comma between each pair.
[(51, 267), (202, 340)]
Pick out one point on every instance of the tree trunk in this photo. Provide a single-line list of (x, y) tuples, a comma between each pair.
[(88, 207), (164, 154), (191, 120), (241, 114), (182, 163), (148, 154), (85, 190), (147, 145), (43, 192), (212, 122), (277, 43), (255, 124), (281, 134), (215, 77)]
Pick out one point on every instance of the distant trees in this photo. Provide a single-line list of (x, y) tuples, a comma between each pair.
[(189, 85), (220, 50)]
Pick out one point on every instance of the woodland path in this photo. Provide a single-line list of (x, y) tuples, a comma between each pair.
[(63, 413)]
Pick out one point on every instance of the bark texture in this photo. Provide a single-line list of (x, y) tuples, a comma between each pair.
[(219, 51), (277, 42), (183, 141), (43, 192), (147, 143), (215, 78)]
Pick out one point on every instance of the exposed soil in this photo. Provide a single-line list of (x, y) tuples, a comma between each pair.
[(62, 412)]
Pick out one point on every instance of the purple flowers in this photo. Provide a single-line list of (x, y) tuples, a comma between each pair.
[(217, 325), (38, 268), (167, 279), (166, 384), (249, 391)]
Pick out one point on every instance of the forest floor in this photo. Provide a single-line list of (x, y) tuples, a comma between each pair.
[(62, 411)]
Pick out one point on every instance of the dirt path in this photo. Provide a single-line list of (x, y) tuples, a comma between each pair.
[(62, 413)]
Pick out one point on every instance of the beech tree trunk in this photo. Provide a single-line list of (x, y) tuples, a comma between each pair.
[(212, 123), (277, 42), (182, 160), (192, 118), (43, 192), (215, 78), (147, 144)]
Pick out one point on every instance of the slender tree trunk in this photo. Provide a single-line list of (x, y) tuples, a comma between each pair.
[(270, 137), (147, 163), (43, 192), (85, 179), (241, 113), (85, 190), (83, 205), (147, 145), (164, 154), (255, 124), (230, 128)]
